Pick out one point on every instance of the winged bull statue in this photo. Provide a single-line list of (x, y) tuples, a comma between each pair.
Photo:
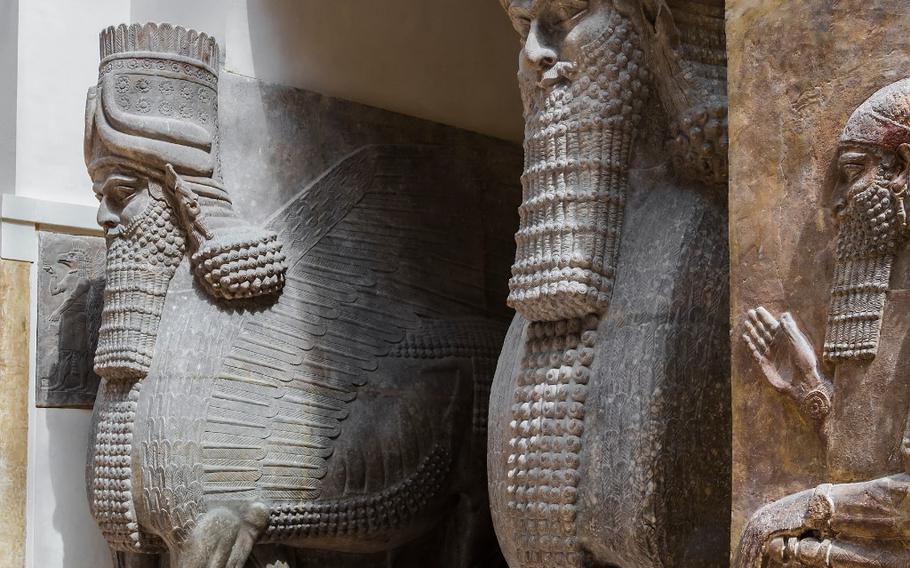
[(317, 383)]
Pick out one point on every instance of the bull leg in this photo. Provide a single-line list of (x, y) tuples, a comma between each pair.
[(467, 535), (223, 538)]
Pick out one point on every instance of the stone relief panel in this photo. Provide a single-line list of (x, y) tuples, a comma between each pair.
[(301, 321), (818, 234), (70, 296), (609, 412)]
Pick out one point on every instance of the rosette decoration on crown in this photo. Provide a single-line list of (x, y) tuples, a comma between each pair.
[(155, 112)]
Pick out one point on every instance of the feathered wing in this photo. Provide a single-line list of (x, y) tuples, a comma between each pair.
[(361, 276)]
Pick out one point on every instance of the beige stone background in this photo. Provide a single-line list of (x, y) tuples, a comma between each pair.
[(797, 70), (14, 295)]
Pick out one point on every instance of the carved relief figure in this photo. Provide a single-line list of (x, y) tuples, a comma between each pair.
[(314, 384), (68, 334), (857, 393), (609, 407), (68, 277)]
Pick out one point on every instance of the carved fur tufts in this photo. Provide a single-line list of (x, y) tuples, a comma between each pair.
[(548, 413), (240, 263), (365, 514)]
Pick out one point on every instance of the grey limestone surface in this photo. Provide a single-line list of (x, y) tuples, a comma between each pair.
[(70, 286)]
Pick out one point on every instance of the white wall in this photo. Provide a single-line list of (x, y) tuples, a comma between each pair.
[(60, 530), (452, 61), (9, 25), (58, 61)]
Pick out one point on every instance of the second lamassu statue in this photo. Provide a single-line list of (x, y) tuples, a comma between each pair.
[(316, 380), (609, 417)]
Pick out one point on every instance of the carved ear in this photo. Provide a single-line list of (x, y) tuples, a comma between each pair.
[(899, 184), (187, 207), (903, 177)]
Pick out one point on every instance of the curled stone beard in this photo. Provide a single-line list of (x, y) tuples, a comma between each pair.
[(578, 137), (577, 148), (868, 239), (141, 260)]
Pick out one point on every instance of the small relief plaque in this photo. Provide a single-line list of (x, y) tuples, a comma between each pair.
[(70, 286)]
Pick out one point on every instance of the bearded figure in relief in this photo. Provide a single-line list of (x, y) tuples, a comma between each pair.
[(609, 413), (857, 393)]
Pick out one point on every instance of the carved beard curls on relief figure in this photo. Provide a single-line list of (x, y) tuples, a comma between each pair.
[(859, 518), (268, 392), (609, 417)]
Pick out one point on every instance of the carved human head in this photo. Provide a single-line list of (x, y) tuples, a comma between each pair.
[(582, 84), (152, 134), (151, 148), (556, 33), (873, 164), (874, 153)]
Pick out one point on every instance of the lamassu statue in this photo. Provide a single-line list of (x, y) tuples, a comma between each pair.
[(609, 417), (860, 519), (319, 383)]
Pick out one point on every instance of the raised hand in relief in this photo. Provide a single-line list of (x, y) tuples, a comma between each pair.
[(789, 362)]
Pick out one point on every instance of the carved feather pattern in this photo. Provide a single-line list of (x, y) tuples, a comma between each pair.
[(173, 491), (364, 269)]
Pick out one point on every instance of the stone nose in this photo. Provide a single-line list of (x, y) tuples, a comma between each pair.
[(106, 218), (537, 51)]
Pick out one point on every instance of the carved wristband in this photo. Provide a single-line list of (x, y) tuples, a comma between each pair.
[(820, 509), (817, 402)]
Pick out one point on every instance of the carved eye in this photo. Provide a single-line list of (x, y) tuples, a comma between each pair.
[(120, 193), (568, 14), (522, 24), (850, 171), (123, 193), (119, 187)]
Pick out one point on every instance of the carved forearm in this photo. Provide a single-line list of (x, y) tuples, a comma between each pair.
[(871, 511), (55, 315), (783, 517), (867, 510)]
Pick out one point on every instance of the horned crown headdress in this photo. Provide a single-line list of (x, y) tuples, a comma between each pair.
[(155, 111)]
